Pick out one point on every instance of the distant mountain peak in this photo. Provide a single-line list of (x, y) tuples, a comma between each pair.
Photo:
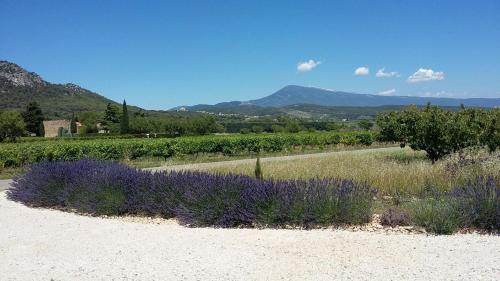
[(19, 77), (295, 94)]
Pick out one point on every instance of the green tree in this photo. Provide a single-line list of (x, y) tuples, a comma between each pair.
[(293, 126), (365, 125), (33, 118), (332, 126), (277, 128), (124, 124), (12, 125), (245, 131), (436, 131), (111, 114), (491, 133), (111, 118), (89, 121), (257, 129), (73, 127)]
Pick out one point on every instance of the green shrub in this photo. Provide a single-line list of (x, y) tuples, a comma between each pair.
[(435, 215)]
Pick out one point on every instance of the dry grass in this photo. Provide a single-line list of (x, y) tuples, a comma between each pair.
[(392, 171), (150, 162)]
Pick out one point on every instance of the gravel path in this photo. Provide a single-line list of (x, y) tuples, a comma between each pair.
[(39, 244), (4, 184), (202, 166)]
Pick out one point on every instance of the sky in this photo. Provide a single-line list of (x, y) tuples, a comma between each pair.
[(161, 54)]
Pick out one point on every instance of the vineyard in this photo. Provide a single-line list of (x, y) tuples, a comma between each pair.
[(18, 154)]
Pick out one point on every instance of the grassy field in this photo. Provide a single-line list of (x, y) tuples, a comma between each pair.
[(149, 162), (394, 171)]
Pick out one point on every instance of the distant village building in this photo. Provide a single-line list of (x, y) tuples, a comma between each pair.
[(52, 127), (101, 129)]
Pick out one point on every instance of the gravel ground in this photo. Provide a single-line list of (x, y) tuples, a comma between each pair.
[(4, 184), (40, 244)]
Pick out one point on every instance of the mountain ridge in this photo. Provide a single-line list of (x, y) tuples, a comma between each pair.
[(18, 87), (294, 94)]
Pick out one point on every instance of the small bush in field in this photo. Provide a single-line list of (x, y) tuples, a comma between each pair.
[(435, 215), (194, 198), (478, 203), (394, 216)]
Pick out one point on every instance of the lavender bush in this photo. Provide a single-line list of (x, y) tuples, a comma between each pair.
[(194, 198), (478, 203), (473, 204)]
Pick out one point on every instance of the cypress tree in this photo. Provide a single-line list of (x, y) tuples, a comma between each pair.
[(124, 124), (258, 170), (33, 118), (73, 127)]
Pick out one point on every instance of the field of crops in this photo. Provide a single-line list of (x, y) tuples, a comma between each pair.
[(18, 154)]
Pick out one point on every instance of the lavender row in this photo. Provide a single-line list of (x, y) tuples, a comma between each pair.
[(194, 198)]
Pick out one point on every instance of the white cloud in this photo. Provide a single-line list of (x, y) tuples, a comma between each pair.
[(363, 70), (390, 92), (425, 75), (307, 65), (381, 73)]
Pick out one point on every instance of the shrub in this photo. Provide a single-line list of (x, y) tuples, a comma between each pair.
[(196, 199), (394, 216), (435, 215), (478, 203)]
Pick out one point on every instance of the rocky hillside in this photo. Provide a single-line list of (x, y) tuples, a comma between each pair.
[(18, 87)]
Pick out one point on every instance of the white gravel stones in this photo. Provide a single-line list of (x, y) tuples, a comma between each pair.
[(38, 244)]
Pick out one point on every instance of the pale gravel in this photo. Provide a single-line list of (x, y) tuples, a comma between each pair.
[(41, 244)]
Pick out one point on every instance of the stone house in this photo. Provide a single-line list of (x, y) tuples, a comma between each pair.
[(51, 127)]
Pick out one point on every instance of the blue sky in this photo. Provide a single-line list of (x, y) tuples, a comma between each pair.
[(160, 54)]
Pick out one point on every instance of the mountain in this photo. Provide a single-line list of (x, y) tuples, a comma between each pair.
[(18, 87), (321, 104), (293, 94)]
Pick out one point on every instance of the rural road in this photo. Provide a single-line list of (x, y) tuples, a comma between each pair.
[(42, 244), (201, 166)]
